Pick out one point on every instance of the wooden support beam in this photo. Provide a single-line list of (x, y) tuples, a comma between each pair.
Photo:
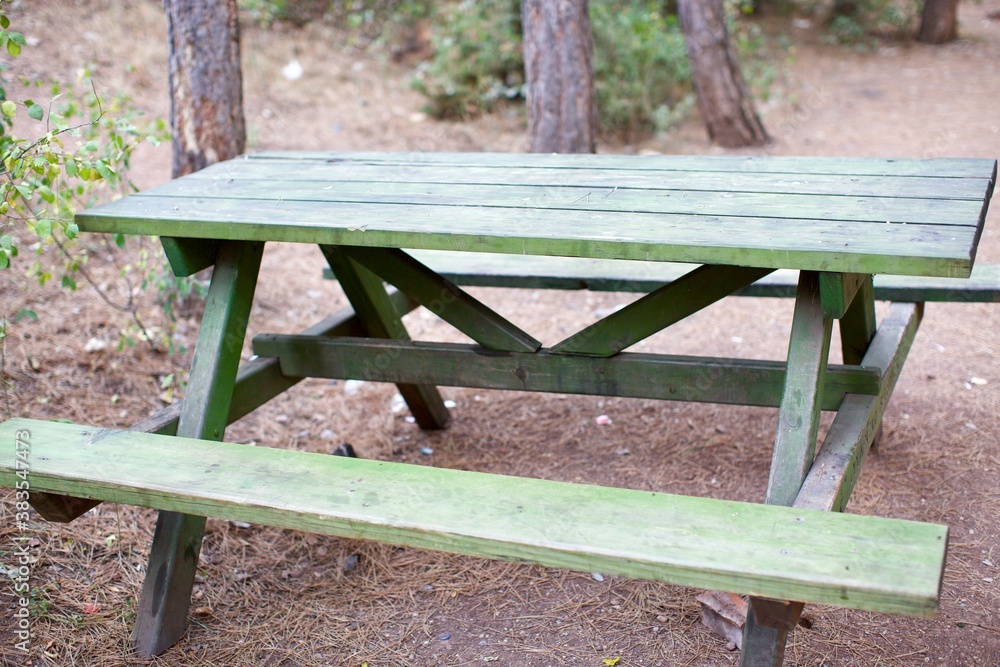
[(443, 298), (670, 377), (831, 479), (370, 301), (795, 442), (798, 417), (173, 559), (189, 256), (837, 291), (659, 309), (858, 324)]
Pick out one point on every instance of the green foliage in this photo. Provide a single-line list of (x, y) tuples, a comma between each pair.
[(65, 154), (366, 21), (477, 61), (641, 74), (864, 22)]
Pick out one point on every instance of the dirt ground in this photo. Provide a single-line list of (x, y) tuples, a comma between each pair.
[(272, 597)]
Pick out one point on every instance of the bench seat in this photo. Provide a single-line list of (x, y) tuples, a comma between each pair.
[(612, 275), (870, 563)]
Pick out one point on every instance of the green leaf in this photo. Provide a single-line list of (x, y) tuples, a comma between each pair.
[(4, 260), (69, 283), (25, 314), (120, 240), (43, 228), (9, 108), (4, 21), (17, 38), (13, 48), (70, 167), (6, 242), (36, 111), (72, 229)]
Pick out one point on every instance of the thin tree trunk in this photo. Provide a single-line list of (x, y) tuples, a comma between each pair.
[(723, 99), (557, 61), (938, 21), (206, 83)]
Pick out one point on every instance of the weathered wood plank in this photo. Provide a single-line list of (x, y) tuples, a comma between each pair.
[(611, 275), (831, 479), (166, 593), (858, 324), (824, 245), (863, 562), (837, 290), (320, 174), (189, 256), (443, 298), (375, 310), (798, 416), (635, 375), (658, 310), (625, 199), (772, 164), (795, 441)]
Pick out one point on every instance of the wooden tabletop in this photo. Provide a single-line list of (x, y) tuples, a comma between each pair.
[(850, 215)]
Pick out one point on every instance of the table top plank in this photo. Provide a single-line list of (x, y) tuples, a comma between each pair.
[(309, 171), (860, 208), (832, 246), (850, 166), (421, 201)]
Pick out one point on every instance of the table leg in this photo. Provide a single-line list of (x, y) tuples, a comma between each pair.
[(857, 329), (794, 445), (173, 559), (371, 303)]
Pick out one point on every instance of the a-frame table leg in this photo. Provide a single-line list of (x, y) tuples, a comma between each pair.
[(368, 297), (173, 559), (857, 329), (794, 450)]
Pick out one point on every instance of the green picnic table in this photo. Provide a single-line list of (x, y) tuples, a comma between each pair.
[(731, 222)]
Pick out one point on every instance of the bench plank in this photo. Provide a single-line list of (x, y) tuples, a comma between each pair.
[(610, 275), (870, 563)]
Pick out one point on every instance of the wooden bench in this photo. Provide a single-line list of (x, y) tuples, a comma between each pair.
[(610, 275), (870, 563)]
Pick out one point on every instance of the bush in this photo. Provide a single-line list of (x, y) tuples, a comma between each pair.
[(641, 73), (477, 61)]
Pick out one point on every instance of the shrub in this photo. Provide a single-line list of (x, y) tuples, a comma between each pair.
[(641, 73)]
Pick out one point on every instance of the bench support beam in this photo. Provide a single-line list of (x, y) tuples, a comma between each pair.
[(634, 375), (173, 559), (381, 320), (795, 442), (443, 298), (659, 309)]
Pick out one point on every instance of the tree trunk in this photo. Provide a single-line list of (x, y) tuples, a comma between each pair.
[(560, 76), (939, 21), (723, 99), (206, 83)]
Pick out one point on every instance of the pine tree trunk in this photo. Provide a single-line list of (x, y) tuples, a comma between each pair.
[(939, 21), (206, 83), (723, 99), (557, 63)]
